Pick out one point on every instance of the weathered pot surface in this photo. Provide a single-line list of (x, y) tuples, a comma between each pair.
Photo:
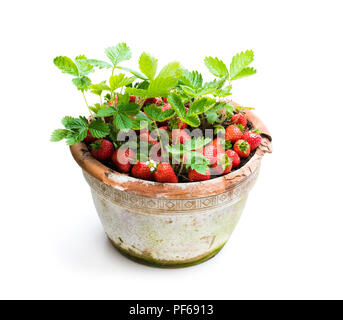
[(170, 225)]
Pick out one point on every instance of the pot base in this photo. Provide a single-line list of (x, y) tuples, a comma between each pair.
[(164, 264)]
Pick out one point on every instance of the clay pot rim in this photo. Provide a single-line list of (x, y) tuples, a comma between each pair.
[(187, 190)]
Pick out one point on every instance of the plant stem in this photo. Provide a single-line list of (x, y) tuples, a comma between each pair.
[(181, 167), (83, 93)]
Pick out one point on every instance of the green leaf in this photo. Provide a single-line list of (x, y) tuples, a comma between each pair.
[(193, 120), (119, 81), (122, 121), (176, 102), (204, 91), (189, 90), (142, 93), (139, 124), (165, 81), (249, 71), (201, 106), (106, 112), (99, 88), (99, 129), (192, 79), (211, 117), (229, 107), (83, 67), (161, 86), (76, 136), (217, 67), (171, 70), (130, 109), (239, 62), (200, 168), (196, 161), (148, 65), (66, 120), (224, 92), (118, 53), (135, 73), (66, 65), (82, 83), (97, 107), (76, 123), (156, 114), (142, 85), (59, 134), (98, 63)]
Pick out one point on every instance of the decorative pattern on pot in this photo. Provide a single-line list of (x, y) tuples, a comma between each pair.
[(165, 206)]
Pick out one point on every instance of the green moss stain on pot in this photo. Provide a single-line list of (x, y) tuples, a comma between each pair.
[(149, 261)]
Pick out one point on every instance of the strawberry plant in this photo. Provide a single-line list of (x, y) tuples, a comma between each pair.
[(164, 124)]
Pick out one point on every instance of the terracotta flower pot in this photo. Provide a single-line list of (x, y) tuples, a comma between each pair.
[(170, 225)]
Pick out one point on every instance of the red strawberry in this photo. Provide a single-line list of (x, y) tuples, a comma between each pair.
[(89, 137), (223, 166), (179, 136), (242, 148), (146, 137), (102, 149), (165, 100), (213, 151), (132, 99), (182, 125), (235, 158), (253, 138), (233, 133), (239, 118), (123, 158), (196, 176), (165, 173), (142, 171)]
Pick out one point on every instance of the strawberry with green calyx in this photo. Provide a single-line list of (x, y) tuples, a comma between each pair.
[(253, 138), (223, 166), (236, 160), (233, 133), (239, 118), (194, 175), (242, 148), (144, 170), (102, 149), (132, 99), (123, 159), (165, 173)]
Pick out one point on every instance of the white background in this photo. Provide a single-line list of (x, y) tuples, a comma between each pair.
[(289, 241)]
